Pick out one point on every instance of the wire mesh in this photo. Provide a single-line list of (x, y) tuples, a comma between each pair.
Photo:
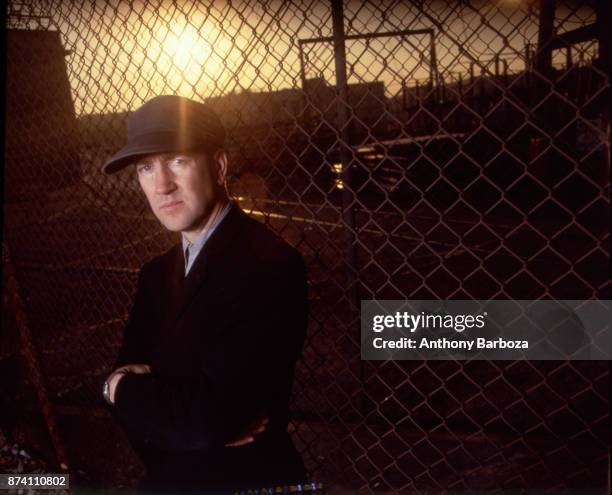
[(473, 163)]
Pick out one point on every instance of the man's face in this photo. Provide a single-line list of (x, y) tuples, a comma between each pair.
[(183, 189)]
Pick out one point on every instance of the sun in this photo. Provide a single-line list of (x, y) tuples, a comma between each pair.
[(186, 47), (184, 60)]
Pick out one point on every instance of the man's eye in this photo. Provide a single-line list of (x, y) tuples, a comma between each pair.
[(179, 160), (143, 167)]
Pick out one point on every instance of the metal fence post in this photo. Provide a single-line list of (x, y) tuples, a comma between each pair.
[(348, 214), (346, 156)]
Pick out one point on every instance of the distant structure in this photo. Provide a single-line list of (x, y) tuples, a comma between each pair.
[(42, 140), (315, 105)]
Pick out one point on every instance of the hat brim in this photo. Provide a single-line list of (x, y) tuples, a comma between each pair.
[(156, 143), (129, 154)]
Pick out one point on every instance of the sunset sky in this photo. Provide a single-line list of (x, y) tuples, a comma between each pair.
[(123, 54)]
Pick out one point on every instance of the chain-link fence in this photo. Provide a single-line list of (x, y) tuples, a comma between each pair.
[(409, 150)]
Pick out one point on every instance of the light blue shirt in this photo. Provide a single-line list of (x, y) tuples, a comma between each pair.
[(196, 246)]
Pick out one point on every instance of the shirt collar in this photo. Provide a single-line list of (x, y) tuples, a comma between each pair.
[(203, 237)]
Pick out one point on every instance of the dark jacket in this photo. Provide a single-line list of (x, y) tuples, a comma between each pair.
[(222, 344)]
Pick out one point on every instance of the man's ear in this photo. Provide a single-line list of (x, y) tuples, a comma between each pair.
[(221, 160)]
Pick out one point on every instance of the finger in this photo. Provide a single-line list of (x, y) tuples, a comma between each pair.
[(241, 441), (235, 443)]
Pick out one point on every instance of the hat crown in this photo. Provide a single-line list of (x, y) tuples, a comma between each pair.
[(172, 113), (168, 123)]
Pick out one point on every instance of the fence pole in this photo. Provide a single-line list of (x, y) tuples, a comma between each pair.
[(348, 214), (305, 96), (545, 33), (346, 155), (31, 356)]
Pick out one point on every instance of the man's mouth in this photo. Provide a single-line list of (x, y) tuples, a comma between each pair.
[(170, 205)]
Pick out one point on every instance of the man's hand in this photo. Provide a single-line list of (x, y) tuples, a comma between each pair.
[(247, 436), (115, 376), (255, 428)]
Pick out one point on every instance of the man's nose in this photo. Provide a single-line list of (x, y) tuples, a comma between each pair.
[(164, 181)]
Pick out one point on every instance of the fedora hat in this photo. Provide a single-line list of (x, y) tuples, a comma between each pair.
[(166, 124)]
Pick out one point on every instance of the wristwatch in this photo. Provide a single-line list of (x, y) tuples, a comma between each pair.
[(106, 386), (106, 393)]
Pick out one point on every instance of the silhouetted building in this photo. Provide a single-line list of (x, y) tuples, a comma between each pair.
[(41, 132)]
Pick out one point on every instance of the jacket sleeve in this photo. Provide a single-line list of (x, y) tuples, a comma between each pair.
[(141, 325), (261, 335), (135, 349)]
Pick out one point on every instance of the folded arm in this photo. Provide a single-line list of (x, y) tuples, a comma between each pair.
[(261, 335)]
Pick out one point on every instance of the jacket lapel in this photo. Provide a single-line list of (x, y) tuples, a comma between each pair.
[(174, 283), (187, 287)]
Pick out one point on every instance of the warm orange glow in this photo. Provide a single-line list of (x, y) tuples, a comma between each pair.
[(185, 56), (187, 49)]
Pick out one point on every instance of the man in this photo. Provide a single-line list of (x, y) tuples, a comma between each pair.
[(203, 377)]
